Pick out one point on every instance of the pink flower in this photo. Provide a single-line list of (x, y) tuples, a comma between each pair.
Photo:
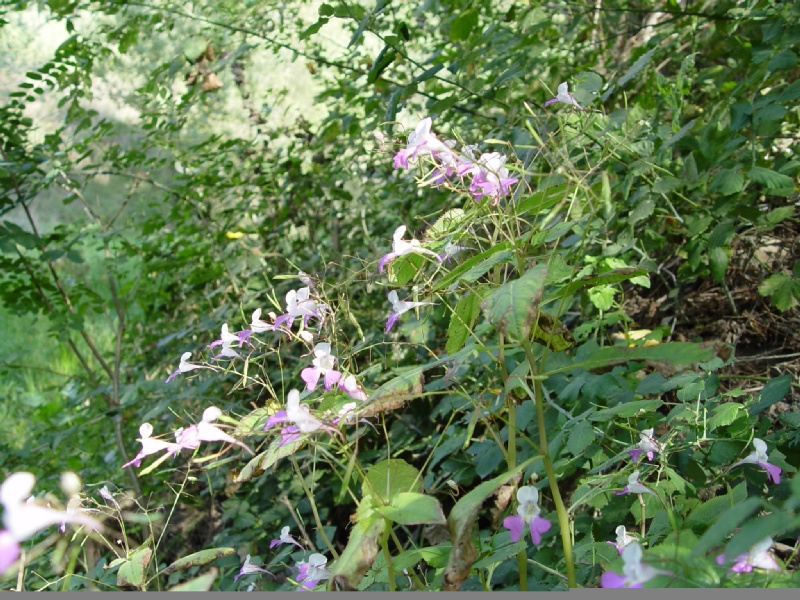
[(564, 96), (285, 538), (23, 517), (204, 431), (760, 458), (634, 573), (647, 444), (491, 178), (350, 386), (527, 514), (635, 486), (312, 572), (248, 568), (300, 304), (227, 341), (400, 247), (300, 418), (323, 363), (257, 325), (623, 539), (185, 367), (150, 445), (420, 142), (399, 307), (758, 557)]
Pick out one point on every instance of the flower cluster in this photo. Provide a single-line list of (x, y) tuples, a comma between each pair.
[(489, 175)]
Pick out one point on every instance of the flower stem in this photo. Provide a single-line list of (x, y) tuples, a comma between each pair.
[(561, 511)]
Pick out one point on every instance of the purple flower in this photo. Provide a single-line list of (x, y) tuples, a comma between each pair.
[(758, 557), (150, 445), (227, 341), (400, 247), (564, 96), (634, 573), (399, 307), (623, 539), (350, 386), (257, 325), (420, 142), (490, 178), (323, 363), (759, 457), (635, 487), (299, 418), (527, 514), (300, 304), (285, 538), (185, 367), (312, 572), (23, 517), (647, 444), (248, 568), (204, 431)]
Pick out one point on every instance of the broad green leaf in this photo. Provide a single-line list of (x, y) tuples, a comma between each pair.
[(718, 261), (203, 583), (412, 508), (626, 409), (602, 296), (435, 556), (782, 61), (782, 289), (476, 265), (460, 522), (774, 391), (636, 67), (450, 222), (511, 308), (777, 215), (642, 210), (405, 268), (727, 182), (391, 477), (198, 559), (463, 24), (673, 353), (462, 320), (771, 179), (706, 513), (726, 523), (725, 414), (132, 572), (580, 438)]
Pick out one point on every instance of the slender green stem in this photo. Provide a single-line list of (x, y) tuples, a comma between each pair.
[(387, 555), (561, 511)]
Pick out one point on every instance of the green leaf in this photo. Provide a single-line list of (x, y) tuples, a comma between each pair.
[(640, 64), (782, 61), (198, 559), (389, 478), (463, 24), (626, 409), (726, 523), (476, 265), (602, 296), (718, 261), (703, 515), (782, 289), (771, 179), (607, 278), (774, 391), (673, 353), (777, 215), (133, 571), (511, 308), (642, 210), (727, 182), (396, 392), (382, 61), (412, 508), (448, 223), (405, 268), (203, 583), (580, 438), (725, 414), (462, 321), (550, 332), (362, 547)]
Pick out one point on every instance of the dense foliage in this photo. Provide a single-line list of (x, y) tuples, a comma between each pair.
[(484, 295)]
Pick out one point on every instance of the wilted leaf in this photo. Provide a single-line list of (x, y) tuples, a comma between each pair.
[(132, 572), (511, 308)]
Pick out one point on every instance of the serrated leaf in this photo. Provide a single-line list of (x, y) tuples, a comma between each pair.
[(132, 572), (782, 289), (203, 583), (198, 559), (463, 319), (727, 182), (724, 414), (580, 438), (772, 179), (511, 308), (412, 508)]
